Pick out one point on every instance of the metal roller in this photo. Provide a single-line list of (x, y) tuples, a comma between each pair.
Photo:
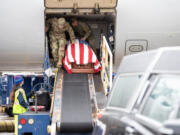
[(6, 125), (6, 122), (3, 116)]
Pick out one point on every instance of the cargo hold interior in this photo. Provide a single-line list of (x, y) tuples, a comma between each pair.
[(101, 24)]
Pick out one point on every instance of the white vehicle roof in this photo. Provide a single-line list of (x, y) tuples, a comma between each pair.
[(163, 60)]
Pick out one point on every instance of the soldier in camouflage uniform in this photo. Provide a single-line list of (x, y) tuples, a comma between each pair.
[(83, 32), (58, 38)]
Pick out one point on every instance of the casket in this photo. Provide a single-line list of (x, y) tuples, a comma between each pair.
[(80, 58)]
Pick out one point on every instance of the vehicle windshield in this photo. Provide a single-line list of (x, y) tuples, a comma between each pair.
[(124, 91), (163, 102)]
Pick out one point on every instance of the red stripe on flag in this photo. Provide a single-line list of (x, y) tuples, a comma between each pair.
[(97, 70), (81, 51), (73, 52), (90, 55)]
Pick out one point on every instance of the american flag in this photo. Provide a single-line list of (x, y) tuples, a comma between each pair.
[(80, 53)]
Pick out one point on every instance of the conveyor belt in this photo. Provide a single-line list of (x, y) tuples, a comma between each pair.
[(76, 111)]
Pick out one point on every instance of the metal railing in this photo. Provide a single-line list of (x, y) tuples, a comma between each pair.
[(107, 65)]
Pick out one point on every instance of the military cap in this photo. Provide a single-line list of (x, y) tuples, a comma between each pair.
[(61, 21)]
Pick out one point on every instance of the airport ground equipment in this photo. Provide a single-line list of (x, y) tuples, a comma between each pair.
[(72, 110), (32, 123)]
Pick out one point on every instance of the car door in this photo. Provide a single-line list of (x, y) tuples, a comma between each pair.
[(160, 104), (121, 100)]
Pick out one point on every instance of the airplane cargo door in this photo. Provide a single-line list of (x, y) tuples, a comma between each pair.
[(80, 3)]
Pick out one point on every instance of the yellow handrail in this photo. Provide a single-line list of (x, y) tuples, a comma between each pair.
[(107, 65)]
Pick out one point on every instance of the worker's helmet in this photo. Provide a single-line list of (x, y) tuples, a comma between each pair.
[(18, 79), (61, 21)]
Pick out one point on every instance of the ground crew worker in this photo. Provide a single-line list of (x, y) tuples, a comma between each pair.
[(83, 32), (18, 99), (58, 38), (18, 96)]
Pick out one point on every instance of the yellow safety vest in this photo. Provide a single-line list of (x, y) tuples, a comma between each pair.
[(17, 108)]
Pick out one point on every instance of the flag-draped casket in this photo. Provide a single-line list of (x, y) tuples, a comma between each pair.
[(80, 53)]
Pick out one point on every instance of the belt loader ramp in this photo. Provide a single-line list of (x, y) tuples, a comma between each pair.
[(72, 111)]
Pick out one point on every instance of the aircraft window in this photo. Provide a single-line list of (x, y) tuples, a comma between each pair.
[(124, 91), (164, 100)]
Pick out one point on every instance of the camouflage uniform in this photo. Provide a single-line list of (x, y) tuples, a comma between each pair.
[(58, 38), (84, 31)]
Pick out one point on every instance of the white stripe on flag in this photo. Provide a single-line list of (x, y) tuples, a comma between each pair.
[(93, 57), (70, 54), (77, 52), (97, 66), (86, 52)]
